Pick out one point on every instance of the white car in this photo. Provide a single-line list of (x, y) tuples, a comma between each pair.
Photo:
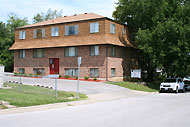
[(186, 81), (173, 85)]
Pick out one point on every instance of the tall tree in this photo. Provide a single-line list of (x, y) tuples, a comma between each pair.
[(160, 29), (7, 38), (39, 17)]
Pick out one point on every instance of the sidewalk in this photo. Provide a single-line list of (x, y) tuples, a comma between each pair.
[(92, 98)]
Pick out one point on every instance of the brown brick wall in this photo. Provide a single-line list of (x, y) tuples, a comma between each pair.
[(28, 63)]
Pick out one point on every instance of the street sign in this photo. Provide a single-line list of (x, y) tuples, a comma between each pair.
[(79, 60), (79, 63)]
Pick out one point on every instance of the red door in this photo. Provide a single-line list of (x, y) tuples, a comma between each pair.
[(54, 65)]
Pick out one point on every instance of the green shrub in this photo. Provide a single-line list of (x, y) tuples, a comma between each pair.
[(60, 76), (15, 73), (66, 76), (76, 77), (36, 75), (86, 78), (30, 75), (94, 78)]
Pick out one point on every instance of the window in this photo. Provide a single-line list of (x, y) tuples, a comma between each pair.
[(38, 53), (72, 30), (71, 72), (113, 72), (123, 30), (39, 33), (112, 28), (71, 51), (94, 27), (21, 54), (21, 70), (39, 71), (94, 50), (54, 31), (94, 72), (22, 35), (113, 49)]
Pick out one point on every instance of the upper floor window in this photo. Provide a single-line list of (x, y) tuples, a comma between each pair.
[(71, 51), (38, 53), (94, 50), (113, 52), (54, 31), (72, 30), (21, 54), (112, 28), (124, 30), (39, 33), (94, 27), (22, 34)]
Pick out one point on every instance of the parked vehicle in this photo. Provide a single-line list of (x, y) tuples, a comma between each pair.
[(186, 81), (173, 85)]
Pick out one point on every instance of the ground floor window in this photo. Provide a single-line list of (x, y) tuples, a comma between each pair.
[(94, 72), (21, 70), (71, 72), (113, 72), (39, 71)]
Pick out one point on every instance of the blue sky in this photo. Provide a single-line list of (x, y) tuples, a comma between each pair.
[(28, 8)]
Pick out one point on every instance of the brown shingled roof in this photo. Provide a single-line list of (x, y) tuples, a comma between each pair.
[(85, 16)]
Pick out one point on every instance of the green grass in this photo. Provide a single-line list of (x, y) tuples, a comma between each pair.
[(24, 95), (151, 87)]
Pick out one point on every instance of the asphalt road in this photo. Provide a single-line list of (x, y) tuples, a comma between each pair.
[(157, 110), (85, 87)]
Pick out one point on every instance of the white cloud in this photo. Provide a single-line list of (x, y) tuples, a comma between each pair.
[(28, 8)]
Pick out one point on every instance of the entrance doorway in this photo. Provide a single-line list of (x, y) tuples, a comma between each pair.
[(54, 65)]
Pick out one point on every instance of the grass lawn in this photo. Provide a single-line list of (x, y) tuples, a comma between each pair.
[(24, 95), (151, 87)]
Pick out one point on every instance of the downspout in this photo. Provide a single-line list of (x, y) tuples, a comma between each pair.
[(106, 63)]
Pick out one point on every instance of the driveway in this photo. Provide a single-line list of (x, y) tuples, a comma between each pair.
[(158, 110), (85, 87)]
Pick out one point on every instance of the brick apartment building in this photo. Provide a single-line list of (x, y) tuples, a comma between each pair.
[(52, 47)]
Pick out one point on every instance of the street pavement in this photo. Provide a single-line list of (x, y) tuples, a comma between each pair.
[(153, 110), (107, 106), (86, 87)]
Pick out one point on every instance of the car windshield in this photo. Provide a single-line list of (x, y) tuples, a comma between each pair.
[(170, 80)]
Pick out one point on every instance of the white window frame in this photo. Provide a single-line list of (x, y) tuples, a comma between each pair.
[(38, 53), (21, 54), (113, 51), (39, 71), (112, 28), (71, 71), (94, 50), (72, 29), (43, 33), (94, 27), (94, 72), (22, 35), (113, 72), (54, 31), (71, 51)]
